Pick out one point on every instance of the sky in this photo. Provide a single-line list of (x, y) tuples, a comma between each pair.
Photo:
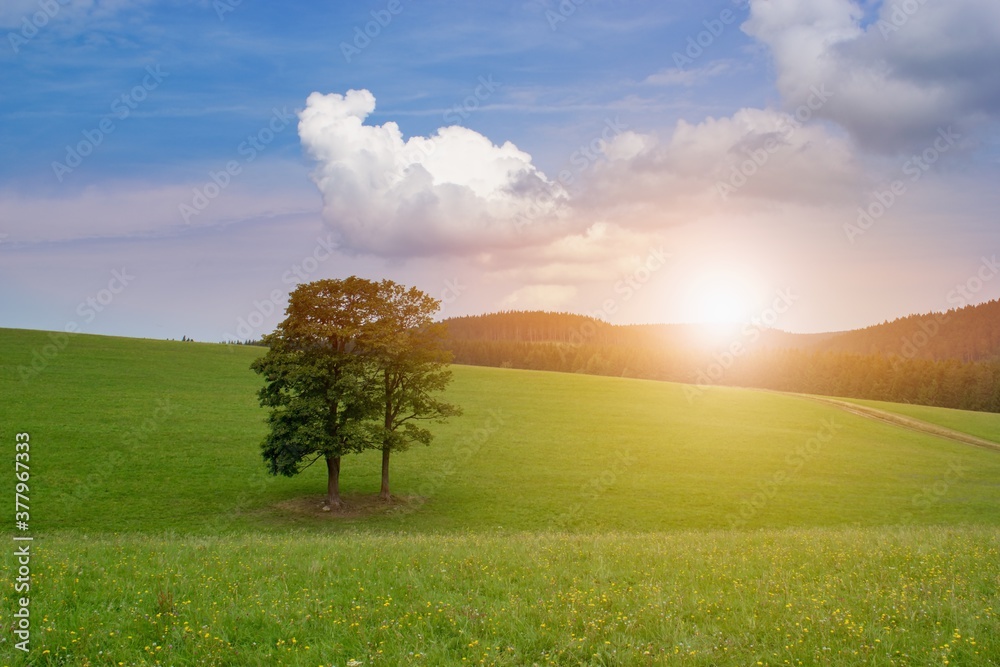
[(174, 168)]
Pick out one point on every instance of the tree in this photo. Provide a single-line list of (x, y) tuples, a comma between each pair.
[(353, 366), (315, 379), (412, 363)]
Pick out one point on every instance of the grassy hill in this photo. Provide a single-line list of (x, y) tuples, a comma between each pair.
[(134, 435), (984, 425), (563, 520)]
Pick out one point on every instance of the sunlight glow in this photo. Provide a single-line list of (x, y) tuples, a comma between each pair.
[(720, 298), (720, 304)]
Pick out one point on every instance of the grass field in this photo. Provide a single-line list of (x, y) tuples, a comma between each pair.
[(984, 425), (917, 596), (639, 526)]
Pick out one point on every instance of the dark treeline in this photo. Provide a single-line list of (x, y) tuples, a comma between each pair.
[(249, 341), (532, 326), (943, 360), (948, 383), (622, 360), (971, 333)]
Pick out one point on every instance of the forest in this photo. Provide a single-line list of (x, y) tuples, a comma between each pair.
[(947, 359)]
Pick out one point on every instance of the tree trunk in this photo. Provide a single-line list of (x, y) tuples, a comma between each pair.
[(387, 424), (384, 494), (333, 481)]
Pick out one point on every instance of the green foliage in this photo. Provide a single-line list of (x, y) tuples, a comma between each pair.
[(412, 364), (315, 376), (412, 379), (353, 366)]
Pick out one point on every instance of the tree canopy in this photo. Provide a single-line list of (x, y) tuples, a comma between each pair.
[(354, 365)]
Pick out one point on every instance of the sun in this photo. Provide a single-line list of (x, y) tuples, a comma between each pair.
[(721, 304), (720, 298)]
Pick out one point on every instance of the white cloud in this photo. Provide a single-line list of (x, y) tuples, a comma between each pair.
[(674, 76), (755, 155), (627, 145), (599, 254), (453, 192), (896, 77)]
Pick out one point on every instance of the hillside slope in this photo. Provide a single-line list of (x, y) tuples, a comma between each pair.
[(944, 360), (137, 435), (967, 334)]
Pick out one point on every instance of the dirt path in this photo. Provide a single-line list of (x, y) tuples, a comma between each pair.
[(904, 422)]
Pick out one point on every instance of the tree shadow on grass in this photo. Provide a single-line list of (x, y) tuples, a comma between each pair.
[(353, 506)]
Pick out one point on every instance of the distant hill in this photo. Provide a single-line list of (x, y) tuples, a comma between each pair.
[(947, 359), (573, 329), (967, 334)]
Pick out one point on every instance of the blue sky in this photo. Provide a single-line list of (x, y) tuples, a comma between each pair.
[(748, 160)]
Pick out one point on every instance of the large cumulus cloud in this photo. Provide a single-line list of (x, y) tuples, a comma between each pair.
[(453, 192)]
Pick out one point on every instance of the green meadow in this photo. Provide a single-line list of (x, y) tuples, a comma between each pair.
[(562, 520), (984, 425)]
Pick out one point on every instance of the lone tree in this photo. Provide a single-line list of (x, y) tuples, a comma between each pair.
[(351, 366)]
